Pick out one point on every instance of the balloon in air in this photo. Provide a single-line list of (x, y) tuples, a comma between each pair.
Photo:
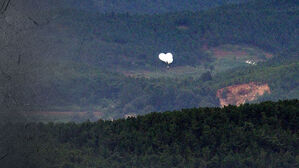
[(167, 58)]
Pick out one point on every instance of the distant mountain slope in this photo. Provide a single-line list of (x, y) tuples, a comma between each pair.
[(134, 41), (127, 6), (65, 59), (124, 6), (156, 6)]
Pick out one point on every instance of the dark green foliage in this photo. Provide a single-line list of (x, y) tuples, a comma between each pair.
[(207, 76), (256, 135), (133, 41)]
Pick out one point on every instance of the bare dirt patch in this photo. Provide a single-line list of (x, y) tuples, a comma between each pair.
[(239, 52), (239, 94), (268, 55), (218, 53), (182, 27)]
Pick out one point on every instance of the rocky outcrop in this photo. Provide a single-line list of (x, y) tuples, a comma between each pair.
[(239, 94), (130, 116)]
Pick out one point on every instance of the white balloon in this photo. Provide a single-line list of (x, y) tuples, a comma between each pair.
[(167, 58)]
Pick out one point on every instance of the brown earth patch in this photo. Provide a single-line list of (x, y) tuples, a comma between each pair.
[(268, 55), (218, 53), (237, 52), (239, 94), (182, 27)]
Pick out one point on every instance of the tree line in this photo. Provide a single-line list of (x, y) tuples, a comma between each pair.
[(252, 135)]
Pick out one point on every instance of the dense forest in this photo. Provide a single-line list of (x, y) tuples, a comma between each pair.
[(252, 135)]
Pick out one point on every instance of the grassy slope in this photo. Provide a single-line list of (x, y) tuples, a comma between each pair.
[(115, 95)]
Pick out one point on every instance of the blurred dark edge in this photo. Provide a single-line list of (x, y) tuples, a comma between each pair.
[(15, 76)]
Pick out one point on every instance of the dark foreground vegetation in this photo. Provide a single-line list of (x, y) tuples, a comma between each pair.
[(252, 135)]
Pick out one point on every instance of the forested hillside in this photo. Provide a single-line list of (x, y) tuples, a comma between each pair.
[(256, 135), (134, 41)]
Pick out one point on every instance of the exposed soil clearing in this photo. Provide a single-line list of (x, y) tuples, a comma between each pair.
[(239, 94), (239, 52), (218, 53)]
